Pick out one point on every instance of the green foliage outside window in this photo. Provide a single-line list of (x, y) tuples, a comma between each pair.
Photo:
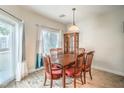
[(4, 31)]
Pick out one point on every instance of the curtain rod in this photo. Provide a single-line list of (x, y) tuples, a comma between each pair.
[(11, 14), (47, 27)]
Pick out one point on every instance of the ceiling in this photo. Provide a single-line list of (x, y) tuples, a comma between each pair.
[(82, 11)]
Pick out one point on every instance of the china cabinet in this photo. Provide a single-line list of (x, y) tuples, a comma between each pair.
[(71, 42)]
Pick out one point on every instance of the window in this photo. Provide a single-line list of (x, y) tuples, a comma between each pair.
[(3, 42), (5, 29), (51, 39), (47, 38)]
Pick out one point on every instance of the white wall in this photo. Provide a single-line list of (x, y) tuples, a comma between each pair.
[(104, 34), (31, 19)]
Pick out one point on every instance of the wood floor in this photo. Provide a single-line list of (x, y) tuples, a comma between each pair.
[(101, 79)]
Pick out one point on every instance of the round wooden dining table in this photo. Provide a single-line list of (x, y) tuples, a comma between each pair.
[(65, 60)]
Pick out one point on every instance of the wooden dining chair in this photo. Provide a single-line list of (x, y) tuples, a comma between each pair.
[(87, 65), (54, 53), (55, 50), (80, 51), (51, 72), (76, 71)]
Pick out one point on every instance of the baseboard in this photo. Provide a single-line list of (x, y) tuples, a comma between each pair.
[(4, 84), (33, 70), (108, 70)]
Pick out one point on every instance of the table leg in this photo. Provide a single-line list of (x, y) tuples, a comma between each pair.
[(64, 77)]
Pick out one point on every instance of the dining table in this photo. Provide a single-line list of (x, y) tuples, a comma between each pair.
[(66, 61)]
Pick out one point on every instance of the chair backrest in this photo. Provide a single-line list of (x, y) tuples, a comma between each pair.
[(89, 58), (81, 50), (47, 64), (55, 49), (54, 52), (79, 62)]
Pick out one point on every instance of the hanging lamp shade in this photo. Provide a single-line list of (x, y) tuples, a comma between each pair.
[(73, 28)]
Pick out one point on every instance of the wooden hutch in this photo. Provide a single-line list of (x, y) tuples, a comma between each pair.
[(71, 42)]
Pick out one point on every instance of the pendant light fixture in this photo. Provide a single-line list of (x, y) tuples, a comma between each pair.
[(73, 28)]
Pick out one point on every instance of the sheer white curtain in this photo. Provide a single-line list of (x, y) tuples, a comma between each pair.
[(39, 48), (39, 40), (21, 67)]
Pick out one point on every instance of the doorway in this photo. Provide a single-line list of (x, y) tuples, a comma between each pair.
[(7, 46)]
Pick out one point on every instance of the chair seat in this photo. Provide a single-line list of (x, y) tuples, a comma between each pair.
[(70, 72), (86, 68), (56, 66), (56, 73)]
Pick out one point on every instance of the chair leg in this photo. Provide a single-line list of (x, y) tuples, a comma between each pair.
[(51, 83), (45, 79), (81, 78), (74, 82), (84, 77), (90, 74)]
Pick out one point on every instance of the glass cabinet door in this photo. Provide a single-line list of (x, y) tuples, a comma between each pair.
[(71, 42)]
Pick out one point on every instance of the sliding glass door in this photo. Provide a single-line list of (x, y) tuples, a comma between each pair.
[(7, 63)]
